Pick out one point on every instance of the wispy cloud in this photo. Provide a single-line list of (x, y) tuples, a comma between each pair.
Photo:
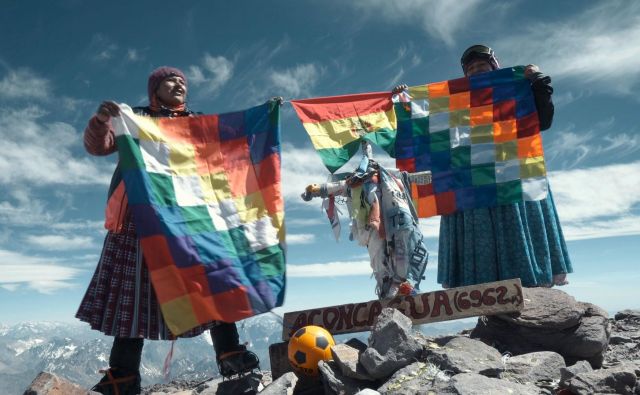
[(212, 74), (84, 261), (597, 46), (71, 104), (330, 269), (621, 226), (295, 81), (570, 147), (430, 227), (405, 60), (396, 78), (61, 243), (300, 167), (621, 144), (440, 19), (306, 221), (598, 202), (42, 153), (24, 84), (260, 54), (40, 274), (101, 48), (133, 55), (300, 238), (406, 51), (573, 147), (106, 53), (567, 97), (22, 208), (251, 81), (84, 225)]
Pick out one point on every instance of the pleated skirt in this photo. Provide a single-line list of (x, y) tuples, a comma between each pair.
[(522, 240), (120, 300)]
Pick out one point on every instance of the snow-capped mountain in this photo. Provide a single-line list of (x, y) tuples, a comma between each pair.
[(77, 353)]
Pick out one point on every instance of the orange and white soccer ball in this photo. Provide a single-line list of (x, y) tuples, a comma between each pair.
[(308, 346)]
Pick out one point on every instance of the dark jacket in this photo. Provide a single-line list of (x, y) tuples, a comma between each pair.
[(542, 91)]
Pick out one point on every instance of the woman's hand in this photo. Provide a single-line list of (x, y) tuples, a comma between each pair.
[(277, 99), (106, 110), (399, 88), (531, 71)]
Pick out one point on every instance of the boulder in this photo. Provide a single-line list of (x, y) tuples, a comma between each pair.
[(417, 378), (464, 355), (310, 386), (628, 314), (338, 383), (567, 373), (590, 339), (368, 391), (283, 385), (391, 344), (618, 339), (536, 367), (550, 321), (547, 309), (476, 384), (247, 384), (623, 344), (347, 359), (49, 384), (619, 380), (356, 343)]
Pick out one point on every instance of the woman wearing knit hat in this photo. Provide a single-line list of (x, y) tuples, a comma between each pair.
[(120, 300), (521, 240)]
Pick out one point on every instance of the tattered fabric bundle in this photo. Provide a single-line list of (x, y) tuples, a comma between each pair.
[(205, 196), (479, 136), (384, 220)]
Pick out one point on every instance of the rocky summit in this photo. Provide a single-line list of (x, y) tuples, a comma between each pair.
[(556, 345)]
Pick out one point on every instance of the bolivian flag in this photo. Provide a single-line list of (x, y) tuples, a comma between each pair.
[(338, 124)]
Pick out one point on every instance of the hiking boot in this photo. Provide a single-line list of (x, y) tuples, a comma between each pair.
[(118, 382), (237, 362)]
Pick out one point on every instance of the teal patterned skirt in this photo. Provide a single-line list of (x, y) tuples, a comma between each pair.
[(489, 244)]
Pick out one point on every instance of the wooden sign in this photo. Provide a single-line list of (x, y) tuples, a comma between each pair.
[(498, 297)]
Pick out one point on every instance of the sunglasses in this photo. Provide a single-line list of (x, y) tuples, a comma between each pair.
[(480, 51)]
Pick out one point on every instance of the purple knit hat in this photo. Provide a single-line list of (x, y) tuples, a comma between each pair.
[(158, 75)]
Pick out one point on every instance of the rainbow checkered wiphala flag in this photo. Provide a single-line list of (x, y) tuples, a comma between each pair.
[(480, 138), (205, 196)]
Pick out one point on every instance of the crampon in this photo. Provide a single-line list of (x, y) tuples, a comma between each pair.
[(235, 364), (118, 382)]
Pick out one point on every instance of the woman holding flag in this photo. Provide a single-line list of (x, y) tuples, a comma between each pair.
[(519, 240), (120, 300), (522, 239)]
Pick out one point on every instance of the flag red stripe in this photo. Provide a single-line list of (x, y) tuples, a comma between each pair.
[(331, 108)]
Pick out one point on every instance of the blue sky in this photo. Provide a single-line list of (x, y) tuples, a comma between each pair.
[(60, 59)]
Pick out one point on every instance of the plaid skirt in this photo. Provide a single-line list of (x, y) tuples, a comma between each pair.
[(120, 300)]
